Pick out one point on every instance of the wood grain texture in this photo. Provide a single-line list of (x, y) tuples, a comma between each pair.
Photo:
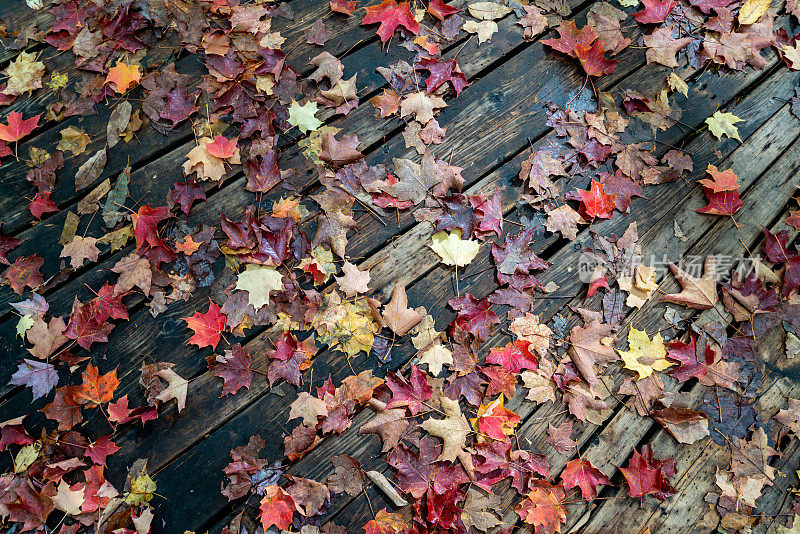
[(491, 127)]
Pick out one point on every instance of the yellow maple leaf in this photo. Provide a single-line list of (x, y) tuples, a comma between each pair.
[(142, 489), (58, 81), (303, 116), (721, 123), (644, 356), (73, 139), (357, 330), (752, 10), (453, 250), (346, 326), (258, 281)]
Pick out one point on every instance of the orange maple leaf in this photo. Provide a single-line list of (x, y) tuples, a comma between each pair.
[(96, 389), (123, 76), (543, 508)]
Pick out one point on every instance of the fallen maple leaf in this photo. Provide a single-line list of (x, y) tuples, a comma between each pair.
[(514, 357), (644, 356), (96, 389), (17, 128), (583, 474), (177, 388), (662, 47), (259, 281), (646, 475), (41, 377), (354, 280), (277, 508), (452, 249), (397, 315), (390, 15), (543, 507), (697, 293), (435, 357), (453, 430), (596, 203), (495, 421), (655, 11), (123, 76), (207, 326), (234, 369), (590, 346), (303, 116), (723, 124)]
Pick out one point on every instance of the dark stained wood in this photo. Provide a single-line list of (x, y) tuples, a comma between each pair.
[(490, 130)]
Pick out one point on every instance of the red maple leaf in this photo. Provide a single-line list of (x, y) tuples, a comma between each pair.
[(64, 409), (691, 363), (185, 193), (724, 203), (235, 370), (500, 381), (569, 37), (101, 449), (474, 315), (440, 10), (390, 15), (84, 324), (42, 204), (25, 272), (345, 7), (96, 389), (720, 181), (442, 72), (17, 128), (581, 473), (494, 419), (655, 11), (419, 473), (222, 147), (775, 246), (145, 225), (207, 326), (583, 45), (596, 203), (277, 508), (722, 192), (109, 305), (593, 59), (646, 475), (514, 357), (411, 392)]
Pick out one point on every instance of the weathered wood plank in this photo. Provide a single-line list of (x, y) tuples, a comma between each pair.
[(235, 198), (151, 181), (313, 464), (541, 416)]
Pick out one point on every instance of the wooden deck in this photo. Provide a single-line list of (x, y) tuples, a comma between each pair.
[(492, 127)]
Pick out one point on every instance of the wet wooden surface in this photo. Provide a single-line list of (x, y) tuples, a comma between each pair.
[(492, 127)]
